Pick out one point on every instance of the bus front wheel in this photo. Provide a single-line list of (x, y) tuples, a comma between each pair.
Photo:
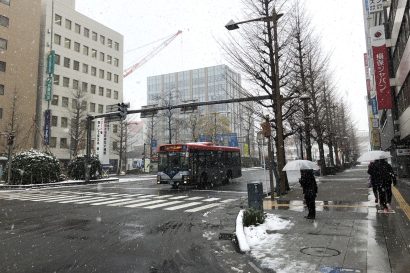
[(203, 180)]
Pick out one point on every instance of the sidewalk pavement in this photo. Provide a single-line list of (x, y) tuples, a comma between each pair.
[(348, 235)]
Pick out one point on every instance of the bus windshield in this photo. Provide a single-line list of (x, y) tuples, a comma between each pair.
[(173, 160)]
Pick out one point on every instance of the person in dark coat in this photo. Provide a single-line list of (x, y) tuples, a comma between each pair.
[(373, 182), (382, 173), (308, 182)]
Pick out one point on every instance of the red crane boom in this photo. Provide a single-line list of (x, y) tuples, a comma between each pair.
[(154, 52)]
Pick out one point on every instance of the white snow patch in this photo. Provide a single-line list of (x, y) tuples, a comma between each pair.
[(234, 269), (208, 235)]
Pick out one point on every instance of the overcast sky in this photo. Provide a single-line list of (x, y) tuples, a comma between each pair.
[(339, 22)]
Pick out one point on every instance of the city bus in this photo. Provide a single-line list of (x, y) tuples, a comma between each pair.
[(200, 164)]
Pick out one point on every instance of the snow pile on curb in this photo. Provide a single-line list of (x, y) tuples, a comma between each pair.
[(240, 234)]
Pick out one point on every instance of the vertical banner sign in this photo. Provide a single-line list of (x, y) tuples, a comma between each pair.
[(51, 60), (381, 67), (375, 5), (47, 126), (102, 141), (49, 88), (373, 103), (366, 67)]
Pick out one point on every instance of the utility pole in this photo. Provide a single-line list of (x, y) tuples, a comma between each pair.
[(267, 132)]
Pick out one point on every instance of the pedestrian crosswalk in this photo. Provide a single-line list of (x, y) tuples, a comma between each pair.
[(168, 202)]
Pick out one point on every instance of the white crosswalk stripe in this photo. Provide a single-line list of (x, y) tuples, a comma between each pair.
[(168, 202)]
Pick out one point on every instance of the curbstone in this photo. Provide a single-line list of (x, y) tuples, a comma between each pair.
[(240, 234)]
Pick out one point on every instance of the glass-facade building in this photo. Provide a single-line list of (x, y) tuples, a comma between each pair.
[(213, 83)]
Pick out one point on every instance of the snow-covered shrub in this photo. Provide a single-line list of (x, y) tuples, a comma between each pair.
[(253, 217), (76, 168), (34, 167)]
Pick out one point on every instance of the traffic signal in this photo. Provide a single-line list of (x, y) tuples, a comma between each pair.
[(10, 139), (122, 108)]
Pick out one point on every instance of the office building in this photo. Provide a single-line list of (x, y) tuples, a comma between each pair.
[(224, 124), (387, 26)]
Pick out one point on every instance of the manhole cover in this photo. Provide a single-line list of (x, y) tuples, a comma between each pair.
[(320, 251)]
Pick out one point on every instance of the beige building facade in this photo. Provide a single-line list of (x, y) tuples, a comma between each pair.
[(19, 62)]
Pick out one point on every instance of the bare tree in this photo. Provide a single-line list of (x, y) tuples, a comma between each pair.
[(78, 114)]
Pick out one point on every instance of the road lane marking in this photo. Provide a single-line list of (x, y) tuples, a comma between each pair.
[(178, 197), (145, 203), (128, 202), (163, 204), (163, 196), (203, 207), (77, 199), (110, 202), (228, 200), (211, 199), (184, 206), (91, 200), (194, 198)]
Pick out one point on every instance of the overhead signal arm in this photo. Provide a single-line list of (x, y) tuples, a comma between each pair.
[(154, 52)]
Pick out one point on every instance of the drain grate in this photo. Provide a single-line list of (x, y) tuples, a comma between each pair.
[(226, 236), (320, 251)]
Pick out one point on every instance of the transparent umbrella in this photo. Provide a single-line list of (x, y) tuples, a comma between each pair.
[(373, 155), (299, 164)]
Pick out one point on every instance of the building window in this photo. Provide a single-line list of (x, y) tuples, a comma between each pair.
[(57, 39), (109, 43), (101, 74), (76, 47), (94, 53), (93, 88), (75, 84), (101, 91), (4, 21), (1, 89), (2, 66), (115, 128), (115, 78), (84, 87), (3, 44), (86, 32), (85, 50), (109, 59), (77, 28), (102, 56), (92, 107), (85, 68), (64, 122), (116, 95), (63, 143), (66, 82), (54, 121), (109, 76), (116, 46), (84, 105), (67, 24), (102, 39), (94, 36), (74, 103), (116, 62), (54, 101), (108, 93), (64, 102), (67, 43), (100, 108), (1, 113), (93, 71), (115, 145), (57, 19), (56, 79), (76, 65), (66, 62), (53, 142), (57, 59)]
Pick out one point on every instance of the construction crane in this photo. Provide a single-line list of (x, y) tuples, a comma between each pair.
[(154, 52)]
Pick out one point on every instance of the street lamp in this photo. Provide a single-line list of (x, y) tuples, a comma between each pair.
[(277, 98), (305, 99)]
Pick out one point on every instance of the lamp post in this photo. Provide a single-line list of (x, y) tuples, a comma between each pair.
[(277, 97), (305, 98)]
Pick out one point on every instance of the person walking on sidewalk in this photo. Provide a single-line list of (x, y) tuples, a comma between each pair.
[(308, 182), (372, 182), (382, 173)]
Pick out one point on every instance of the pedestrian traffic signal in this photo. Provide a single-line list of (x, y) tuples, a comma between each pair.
[(10, 139), (122, 108)]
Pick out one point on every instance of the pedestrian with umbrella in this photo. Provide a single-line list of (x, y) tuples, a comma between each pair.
[(307, 181)]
